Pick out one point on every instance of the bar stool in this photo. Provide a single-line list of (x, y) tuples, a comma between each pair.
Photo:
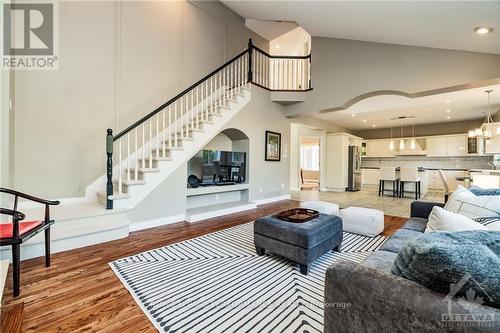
[(409, 175), (446, 186), (388, 174)]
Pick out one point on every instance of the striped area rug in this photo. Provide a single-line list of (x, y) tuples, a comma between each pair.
[(217, 283)]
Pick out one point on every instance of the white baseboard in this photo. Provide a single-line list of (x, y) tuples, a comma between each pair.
[(273, 199), (136, 226)]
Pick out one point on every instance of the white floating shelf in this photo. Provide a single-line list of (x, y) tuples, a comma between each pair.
[(215, 189), (207, 212)]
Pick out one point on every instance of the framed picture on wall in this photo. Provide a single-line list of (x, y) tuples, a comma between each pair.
[(273, 146)]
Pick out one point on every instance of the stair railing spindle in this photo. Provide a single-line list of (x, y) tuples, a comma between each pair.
[(169, 128), (136, 159), (176, 124), (164, 133), (143, 145), (157, 136), (120, 176), (128, 157), (182, 117), (150, 142)]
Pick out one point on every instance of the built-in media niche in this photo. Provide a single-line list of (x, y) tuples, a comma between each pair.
[(216, 167)]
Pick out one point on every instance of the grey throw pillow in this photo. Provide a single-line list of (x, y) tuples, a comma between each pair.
[(441, 259)]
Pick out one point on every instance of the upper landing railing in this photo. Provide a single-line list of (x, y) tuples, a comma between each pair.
[(150, 138)]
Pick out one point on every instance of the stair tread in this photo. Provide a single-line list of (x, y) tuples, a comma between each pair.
[(131, 182), (146, 169), (115, 196)]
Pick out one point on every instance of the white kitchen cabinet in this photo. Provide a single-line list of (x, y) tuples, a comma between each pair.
[(435, 182), (441, 146), (378, 148), (493, 146), (434, 179), (370, 177)]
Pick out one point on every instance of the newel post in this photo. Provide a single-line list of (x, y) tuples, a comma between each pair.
[(109, 168), (250, 50)]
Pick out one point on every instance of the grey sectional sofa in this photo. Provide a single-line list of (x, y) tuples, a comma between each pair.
[(368, 298)]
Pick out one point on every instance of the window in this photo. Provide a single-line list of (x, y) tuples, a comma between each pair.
[(309, 157)]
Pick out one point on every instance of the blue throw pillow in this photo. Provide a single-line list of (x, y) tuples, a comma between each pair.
[(439, 259), (484, 191)]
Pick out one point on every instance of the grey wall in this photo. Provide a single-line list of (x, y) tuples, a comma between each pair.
[(453, 127), (344, 69), (118, 61)]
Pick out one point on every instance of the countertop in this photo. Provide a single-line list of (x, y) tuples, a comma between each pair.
[(420, 169)]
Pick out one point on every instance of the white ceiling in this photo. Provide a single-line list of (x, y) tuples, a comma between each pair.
[(270, 29), (463, 105), (438, 24)]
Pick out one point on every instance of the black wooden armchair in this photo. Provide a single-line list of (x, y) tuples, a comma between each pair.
[(18, 232)]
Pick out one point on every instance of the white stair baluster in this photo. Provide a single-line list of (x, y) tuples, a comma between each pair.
[(128, 156), (176, 123), (120, 175), (231, 70), (181, 118), (169, 128), (220, 89), (164, 133), (157, 136), (198, 106), (136, 157), (192, 110), (150, 142), (239, 75), (224, 79), (211, 95), (143, 144)]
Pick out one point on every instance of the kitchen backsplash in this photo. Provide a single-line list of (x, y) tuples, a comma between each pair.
[(462, 162)]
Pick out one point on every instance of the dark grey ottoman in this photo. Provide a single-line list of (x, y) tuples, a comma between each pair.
[(300, 242)]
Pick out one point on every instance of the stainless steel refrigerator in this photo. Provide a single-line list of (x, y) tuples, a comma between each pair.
[(354, 169)]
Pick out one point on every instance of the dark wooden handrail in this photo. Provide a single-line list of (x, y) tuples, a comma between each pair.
[(280, 56), (185, 91)]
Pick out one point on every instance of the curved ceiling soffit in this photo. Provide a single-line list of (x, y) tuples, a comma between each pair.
[(375, 93), (235, 134)]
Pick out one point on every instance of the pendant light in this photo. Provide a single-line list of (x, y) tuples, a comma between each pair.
[(413, 144), (402, 141), (391, 143), (488, 129)]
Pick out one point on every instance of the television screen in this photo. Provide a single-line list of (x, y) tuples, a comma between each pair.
[(218, 166)]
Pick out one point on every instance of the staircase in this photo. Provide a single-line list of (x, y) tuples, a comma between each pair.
[(143, 155)]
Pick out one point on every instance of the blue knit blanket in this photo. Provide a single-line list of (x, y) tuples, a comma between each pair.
[(439, 259)]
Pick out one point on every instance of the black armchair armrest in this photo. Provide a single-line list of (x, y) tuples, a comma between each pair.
[(14, 213), (423, 208), (18, 194)]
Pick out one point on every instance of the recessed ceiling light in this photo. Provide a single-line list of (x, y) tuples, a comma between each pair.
[(353, 115), (448, 110), (364, 120), (277, 46), (374, 125), (448, 101), (448, 117), (483, 30)]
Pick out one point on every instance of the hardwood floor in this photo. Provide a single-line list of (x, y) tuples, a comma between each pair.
[(80, 293)]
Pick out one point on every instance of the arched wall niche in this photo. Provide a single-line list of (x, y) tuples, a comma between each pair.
[(229, 139)]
